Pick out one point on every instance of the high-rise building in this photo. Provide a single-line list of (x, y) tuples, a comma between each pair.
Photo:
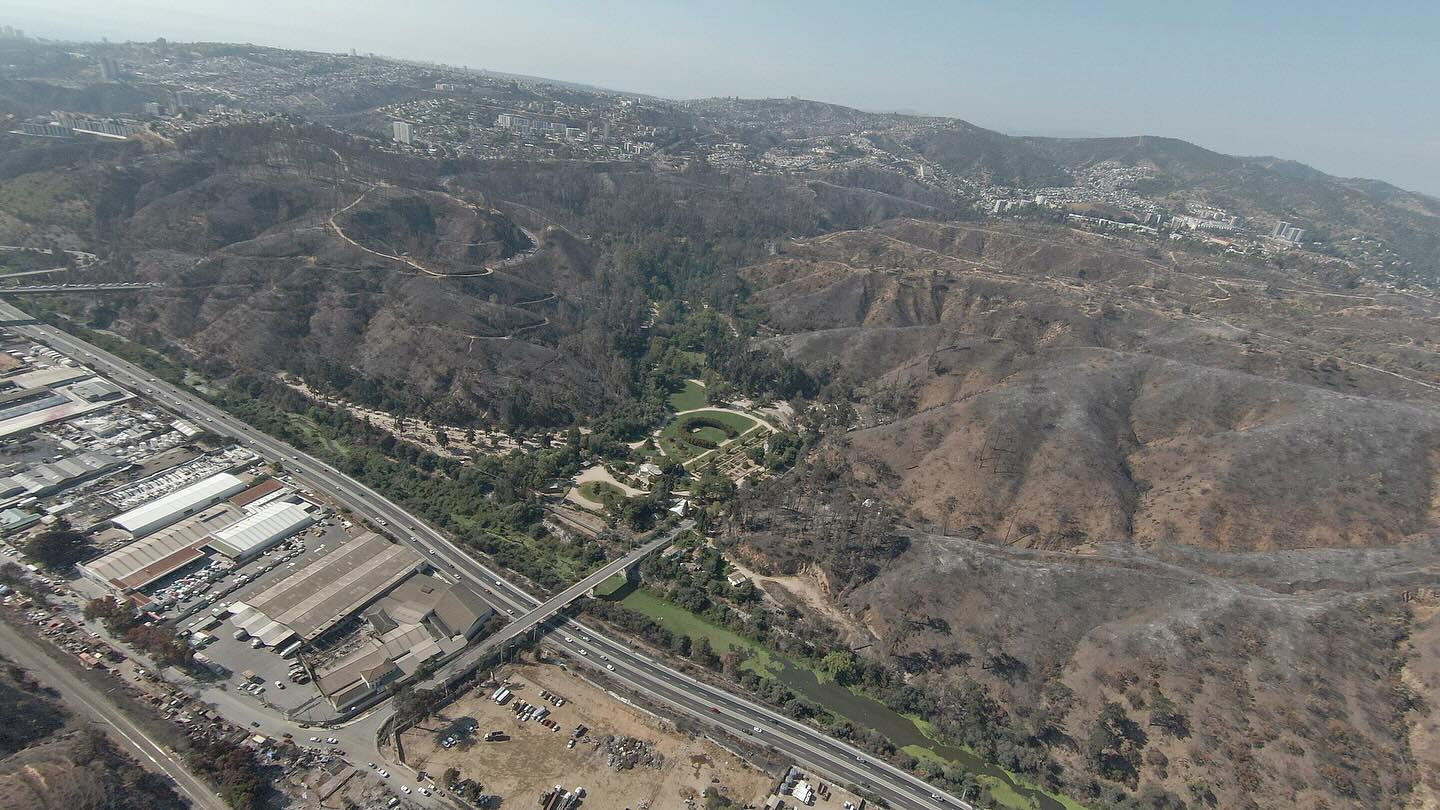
[(401, 132), (109, 69)]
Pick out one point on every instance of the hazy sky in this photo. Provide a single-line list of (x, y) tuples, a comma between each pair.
[(1348, 87)]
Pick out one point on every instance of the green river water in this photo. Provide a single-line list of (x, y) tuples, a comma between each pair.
[(858, 709)]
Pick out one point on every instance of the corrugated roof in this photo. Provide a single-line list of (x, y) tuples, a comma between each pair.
[(43, 477), (146, 560), (257, 492), (170, 508), (313, 599), (261, 529)]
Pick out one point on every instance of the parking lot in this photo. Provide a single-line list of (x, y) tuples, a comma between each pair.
[(238, 655)]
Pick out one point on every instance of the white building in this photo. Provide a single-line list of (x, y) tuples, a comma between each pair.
[(161, 512), (402, 132), (260, 530)]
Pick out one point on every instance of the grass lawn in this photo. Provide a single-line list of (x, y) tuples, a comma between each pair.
[(677, 448), (682, 622), (607, 588), (597, 490), (689, 398)]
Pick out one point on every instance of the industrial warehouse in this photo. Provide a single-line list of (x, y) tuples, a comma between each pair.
[(168, 544), (312, 600), (161, 512), (408, 617), (422, 620)]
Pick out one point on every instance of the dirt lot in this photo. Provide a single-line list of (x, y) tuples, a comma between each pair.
[(535, 759)]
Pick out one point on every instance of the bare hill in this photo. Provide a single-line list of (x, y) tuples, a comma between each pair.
[(1034, 390), (1287, 682)]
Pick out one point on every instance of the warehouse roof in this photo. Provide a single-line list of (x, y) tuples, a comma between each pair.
[(172, 507), (42, 478), (261, 529), (148, 559), (315, 598), (257, 492)]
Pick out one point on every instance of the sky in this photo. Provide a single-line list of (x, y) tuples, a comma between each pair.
[(1347, 87)]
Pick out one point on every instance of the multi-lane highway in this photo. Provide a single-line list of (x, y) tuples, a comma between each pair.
[(703, 701), (118, 286), (547, 610)]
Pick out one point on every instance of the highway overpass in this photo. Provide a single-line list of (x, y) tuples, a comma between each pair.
[(702, 701), (41, 289)]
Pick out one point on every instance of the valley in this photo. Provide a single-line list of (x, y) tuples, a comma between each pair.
[(1057, 473)]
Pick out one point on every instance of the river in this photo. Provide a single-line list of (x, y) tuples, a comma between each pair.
[(861, 710)]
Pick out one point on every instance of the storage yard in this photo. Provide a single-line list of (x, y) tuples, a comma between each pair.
[(622, 759), (285, 601)]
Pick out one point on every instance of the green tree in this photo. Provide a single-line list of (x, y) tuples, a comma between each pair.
[(839, 666), (59, 547), (1113, 747), (703, 654)]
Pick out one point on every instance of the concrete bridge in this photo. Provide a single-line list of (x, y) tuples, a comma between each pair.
[(43, 289), (550, 608)]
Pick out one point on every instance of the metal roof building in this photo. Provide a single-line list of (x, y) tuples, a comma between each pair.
[(261, 529), (316, 597), (422, 619), (163, 511), (142, 562), (43, 479)]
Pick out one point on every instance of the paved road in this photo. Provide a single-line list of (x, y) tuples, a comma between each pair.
[(550, 607), (78, 695), (70, 288), (838, 761), (548, 610)]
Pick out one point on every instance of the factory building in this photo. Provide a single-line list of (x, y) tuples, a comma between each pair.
[(161, 553), (264, 527), (39, 480), (422, 619), (161, 512), (317, 597)]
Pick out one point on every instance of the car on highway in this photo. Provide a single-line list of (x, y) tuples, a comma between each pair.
[(714, 710), (610, 667), (582, 652), (569, 640)]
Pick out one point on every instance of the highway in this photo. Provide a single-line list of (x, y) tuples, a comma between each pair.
[(119, 727), (551, 606), (548, 610), (119, 286), (717, 707)]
